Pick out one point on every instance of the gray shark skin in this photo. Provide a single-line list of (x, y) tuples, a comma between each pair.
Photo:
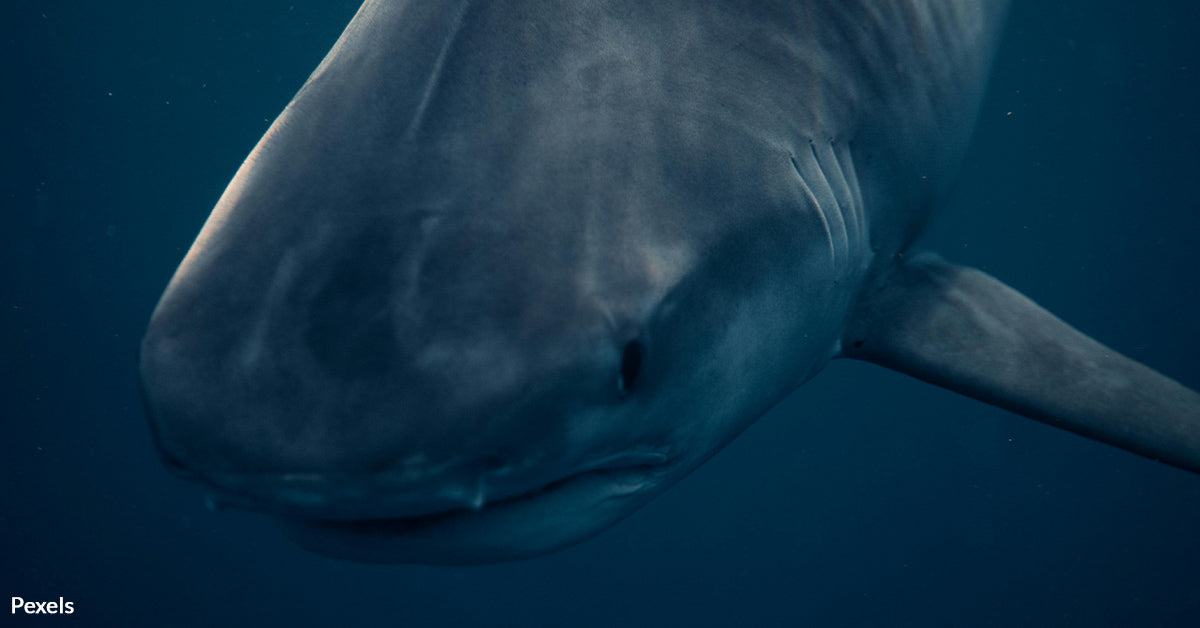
[(503, 271)]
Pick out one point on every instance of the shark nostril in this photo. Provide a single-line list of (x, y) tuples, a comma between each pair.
[(631, 367)]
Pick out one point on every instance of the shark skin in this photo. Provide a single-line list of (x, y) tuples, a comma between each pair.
[(502, 272)]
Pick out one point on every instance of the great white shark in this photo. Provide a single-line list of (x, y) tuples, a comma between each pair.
[(504, 270)]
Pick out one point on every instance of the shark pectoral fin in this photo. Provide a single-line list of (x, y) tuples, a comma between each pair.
[(961, 329)]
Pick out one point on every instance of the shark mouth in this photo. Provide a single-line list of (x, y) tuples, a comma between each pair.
[(528, 524), (616, 482), (399, 500)]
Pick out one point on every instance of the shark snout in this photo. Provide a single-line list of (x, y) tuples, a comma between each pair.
[(408, 352), (313, 401)]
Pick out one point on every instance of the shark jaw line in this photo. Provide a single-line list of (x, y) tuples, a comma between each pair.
[(470, 536), (622, 482), (330, 499)]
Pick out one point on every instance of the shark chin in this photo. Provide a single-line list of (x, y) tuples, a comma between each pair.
[(562, 513)]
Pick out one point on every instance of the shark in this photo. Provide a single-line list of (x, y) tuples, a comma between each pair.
[(503, 271)]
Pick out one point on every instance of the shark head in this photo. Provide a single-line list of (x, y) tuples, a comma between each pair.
[(494, 279)]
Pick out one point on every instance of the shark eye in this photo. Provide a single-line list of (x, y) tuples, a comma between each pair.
[(631, 365)]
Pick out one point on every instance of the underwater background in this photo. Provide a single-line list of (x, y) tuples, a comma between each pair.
[(865, 499)]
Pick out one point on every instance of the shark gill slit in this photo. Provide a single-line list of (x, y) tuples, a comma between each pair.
[(817, 207), (828, 201), (841, 193), (845, 161)]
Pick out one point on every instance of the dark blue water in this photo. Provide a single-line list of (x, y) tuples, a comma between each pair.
[(865, 499)]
